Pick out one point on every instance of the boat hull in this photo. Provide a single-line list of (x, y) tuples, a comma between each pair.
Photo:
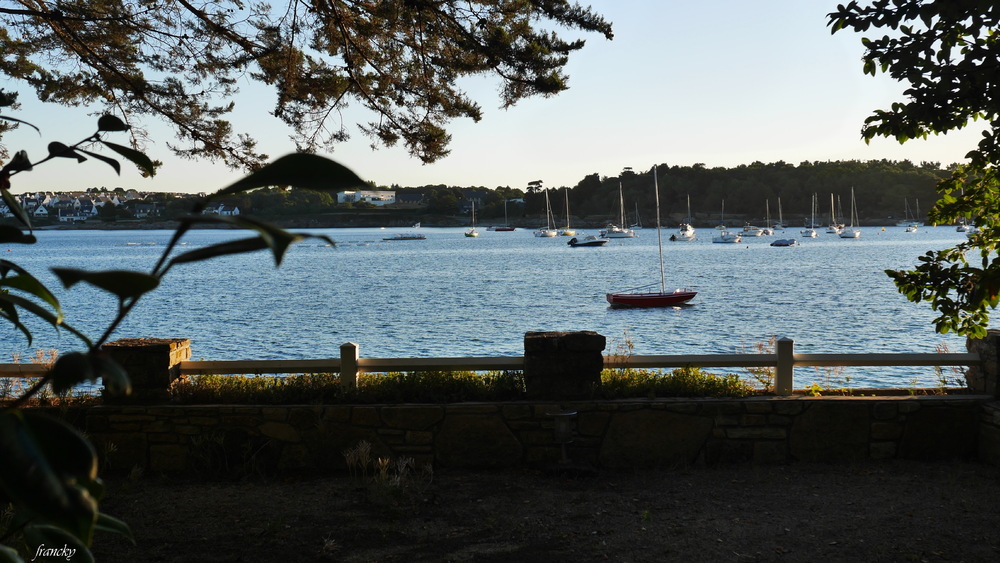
[(652, 299)]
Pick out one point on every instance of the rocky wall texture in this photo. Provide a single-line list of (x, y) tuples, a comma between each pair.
[(614, 434)]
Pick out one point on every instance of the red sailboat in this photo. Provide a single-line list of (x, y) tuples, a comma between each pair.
[(662, 298)]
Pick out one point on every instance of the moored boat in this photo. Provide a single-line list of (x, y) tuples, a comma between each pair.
[(589, 240), (662, 298)]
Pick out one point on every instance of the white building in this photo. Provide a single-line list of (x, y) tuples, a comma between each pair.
[(378, 198)]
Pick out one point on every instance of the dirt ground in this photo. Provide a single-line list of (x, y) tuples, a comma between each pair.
[(891, 511)]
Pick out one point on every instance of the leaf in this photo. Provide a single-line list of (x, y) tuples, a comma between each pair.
[(15, 120), (110, 161), (273, 236), (9, 555), (28, 479), (52, 537), (111, 123), (123, 283), (28, 283), (115, 379), (222, 249), (15, 235), (107, 523), (70, 370), (19, 213), (19, 163), (299, 170), (59, 150), (34, 308), (133, 156)]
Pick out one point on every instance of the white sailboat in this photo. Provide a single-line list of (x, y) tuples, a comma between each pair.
[(852, 231), (472, 232), (780, 225), (768, 229), (685, 232), (567, 231), (835, 228), (506, 226), (616, 231), (662, 298), (548, 231), (810, 232), (725, 236)]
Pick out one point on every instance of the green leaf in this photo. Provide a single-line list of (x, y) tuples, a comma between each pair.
[(53, 319), (123, 283), (19, 163), (107, 523), (111, 123), (28, 479), (69, 371), (9, 234), (29, 284), (55, 538), (69, 453), (9, 555), (108, 160), (60, 150), (275, 238), (299, 170), (222, 249), (133, 156), (19, 213), (112, 374)]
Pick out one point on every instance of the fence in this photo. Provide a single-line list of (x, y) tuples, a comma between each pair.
[(783, 361)]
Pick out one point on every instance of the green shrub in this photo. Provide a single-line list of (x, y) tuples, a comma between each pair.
[(440, 387), (623, 383)]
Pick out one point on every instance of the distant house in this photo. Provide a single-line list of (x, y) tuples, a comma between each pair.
[(379, 198), (410, 200), (222, 209)]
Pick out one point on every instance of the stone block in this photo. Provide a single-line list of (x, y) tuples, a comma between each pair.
[(563, 365), (831, 431), (477, 441), (167, 458), (940, 433), (412, 417), (280, 431), (654, 439)]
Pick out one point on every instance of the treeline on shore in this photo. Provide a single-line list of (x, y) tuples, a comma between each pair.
[(883, 190)]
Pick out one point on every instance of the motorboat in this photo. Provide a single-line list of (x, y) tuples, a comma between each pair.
[(406, 236), (589, 240), (727, 237), (785, 242)]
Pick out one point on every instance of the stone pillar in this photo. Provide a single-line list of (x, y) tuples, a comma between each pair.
[(983, 379), (151, 364), (563, 365)]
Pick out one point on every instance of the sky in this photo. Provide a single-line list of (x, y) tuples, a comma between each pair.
[(718, 82)]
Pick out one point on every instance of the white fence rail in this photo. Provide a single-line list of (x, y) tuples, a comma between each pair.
[(783, 361)]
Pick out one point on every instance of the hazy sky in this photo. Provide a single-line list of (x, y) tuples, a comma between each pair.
[(720, 82)]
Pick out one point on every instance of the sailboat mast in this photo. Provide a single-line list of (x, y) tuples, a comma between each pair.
[(659, 237), (621, 204)]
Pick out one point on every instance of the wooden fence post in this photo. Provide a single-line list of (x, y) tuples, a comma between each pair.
[(349, 365), (785, 349)]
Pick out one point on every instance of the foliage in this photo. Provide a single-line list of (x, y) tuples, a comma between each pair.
[(681, 382), (438, 387), (182, 62), (395, 387), (946, 52), (49, 475)]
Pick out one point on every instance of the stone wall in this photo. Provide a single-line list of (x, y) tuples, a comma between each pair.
[(611, 434)]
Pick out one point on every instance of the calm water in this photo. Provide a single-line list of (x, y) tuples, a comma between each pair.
[(450, 295)]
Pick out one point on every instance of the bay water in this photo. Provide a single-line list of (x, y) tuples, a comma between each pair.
[(450, 295)]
